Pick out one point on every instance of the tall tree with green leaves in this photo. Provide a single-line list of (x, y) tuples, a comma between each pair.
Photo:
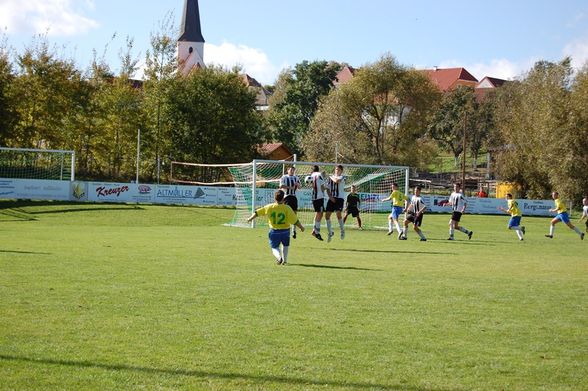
[(455, 119), (7, 113), (536, 129), (44, 94), (296, 98), (212, 117), (379, 117), (161, 66)]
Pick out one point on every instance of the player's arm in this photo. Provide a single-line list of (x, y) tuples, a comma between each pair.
[(386, 199), (299, 225), (258, 212), (423, 209)]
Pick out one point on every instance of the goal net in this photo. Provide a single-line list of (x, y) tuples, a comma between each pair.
[(23, 163), (262, 178)]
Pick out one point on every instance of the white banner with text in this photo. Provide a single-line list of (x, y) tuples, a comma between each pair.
[(36, 189)]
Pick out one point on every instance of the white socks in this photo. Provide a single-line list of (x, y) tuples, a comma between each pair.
[(517, 229), (285, 252), (276, 252), (317, 226)]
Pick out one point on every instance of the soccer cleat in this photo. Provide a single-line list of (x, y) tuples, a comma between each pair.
[(390, 233), (470, 234), (330, 236), (521, 239), (343, 235), (549, 236), (582, 236), (294, 235), (400, 236), (523, 229), (279, 261), (450, 238), (317, 235), (423, 239), (284, 263)]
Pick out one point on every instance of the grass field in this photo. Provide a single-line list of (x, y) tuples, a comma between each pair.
[(126, 297)]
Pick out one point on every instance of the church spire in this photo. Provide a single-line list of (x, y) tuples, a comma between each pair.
[(191, 43), (190, 28)]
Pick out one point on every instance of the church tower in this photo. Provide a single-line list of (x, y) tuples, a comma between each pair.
[(191, 42)]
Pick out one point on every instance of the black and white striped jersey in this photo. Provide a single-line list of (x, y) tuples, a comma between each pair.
[(289, 183), (457, 201), (317, 182), (416, 204), (337, 188)]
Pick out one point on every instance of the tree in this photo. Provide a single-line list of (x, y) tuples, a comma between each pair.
[(575, 163), (212, 116), (536, 124), (44, 96), (161, 66), (296, 99), (7, 113), (379, 117), (455, 118)]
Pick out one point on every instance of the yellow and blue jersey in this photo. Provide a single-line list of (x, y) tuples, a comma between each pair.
[(513, 208), (398, 198), (279, 216), (560, 206)]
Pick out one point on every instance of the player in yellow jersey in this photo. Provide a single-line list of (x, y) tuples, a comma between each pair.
[(515, 216), (562, 215), (399, 200), (280, 218)]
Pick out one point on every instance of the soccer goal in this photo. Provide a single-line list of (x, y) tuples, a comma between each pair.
[(24, 163), (262, 178)]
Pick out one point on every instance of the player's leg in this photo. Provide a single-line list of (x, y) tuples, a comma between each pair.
[(329, 225), (285, 240), (575, 229), (274, 242), (452, 224), (404, 230), (390, 226), (340, 218), (554, 221), (395, 217), (463, 229), (360, 227), (318, 206), (417, 227), (514, 224)]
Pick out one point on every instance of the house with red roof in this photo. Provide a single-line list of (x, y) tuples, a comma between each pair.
[(448, 79)]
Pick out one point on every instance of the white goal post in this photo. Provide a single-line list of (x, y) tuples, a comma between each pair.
[(256, 182), (28, 163)]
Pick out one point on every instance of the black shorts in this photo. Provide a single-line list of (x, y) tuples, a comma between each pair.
[(336, 206), (292, 202), (319, 205), (456, 216), (412, 218), (353, 211)]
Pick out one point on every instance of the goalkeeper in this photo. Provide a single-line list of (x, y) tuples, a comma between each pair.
[(280, 218)]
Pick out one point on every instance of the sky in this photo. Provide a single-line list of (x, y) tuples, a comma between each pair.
[(496, 38)]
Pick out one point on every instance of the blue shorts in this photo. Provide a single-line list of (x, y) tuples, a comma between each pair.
[(277, 236), (396, 212), (514, 221), (563, 217)]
